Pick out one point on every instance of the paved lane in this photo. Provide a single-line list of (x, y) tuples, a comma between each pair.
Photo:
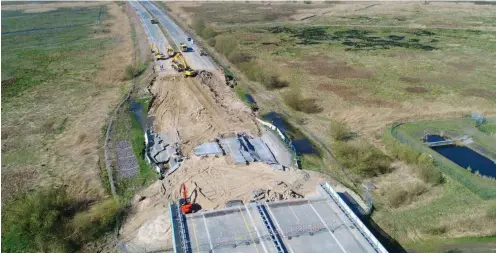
[(193, 57), (153, 31)]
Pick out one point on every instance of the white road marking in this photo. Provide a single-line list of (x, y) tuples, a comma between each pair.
[(279, 227), (256, 230), (328, 229), (208, 234)]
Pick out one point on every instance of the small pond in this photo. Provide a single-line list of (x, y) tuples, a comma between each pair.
[(466, 157), (139, 114), (301, 143), (250, 98)]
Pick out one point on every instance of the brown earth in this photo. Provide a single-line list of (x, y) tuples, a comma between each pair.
[(197, 113), (211, 182)]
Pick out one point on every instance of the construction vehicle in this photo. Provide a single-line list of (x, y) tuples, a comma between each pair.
[(156, 53), (179, 64), (170, 51), (186, 205), (184, 48), (230, 79)]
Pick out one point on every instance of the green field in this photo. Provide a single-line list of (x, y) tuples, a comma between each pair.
[(367, 65), (55, 100)]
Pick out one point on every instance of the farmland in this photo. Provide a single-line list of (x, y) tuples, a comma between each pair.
[(367, 65), (63, 72)]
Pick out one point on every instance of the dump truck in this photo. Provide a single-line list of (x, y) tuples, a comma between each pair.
[(184, 48), (179, 64)]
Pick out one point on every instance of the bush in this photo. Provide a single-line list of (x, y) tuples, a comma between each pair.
[(397, 196), (225, 44), (274, 82), (239, 57), (422, 163), (363, 159), (133, 71), (37, 223), (491, 211), (339, 131), (208, 33), (294, 100), (211, 42), (198, 25), (51, 221)]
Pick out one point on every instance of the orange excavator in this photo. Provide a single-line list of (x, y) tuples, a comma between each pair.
[(186, 205)]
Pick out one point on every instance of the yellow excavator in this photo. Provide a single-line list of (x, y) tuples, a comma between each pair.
[(156, 52), (179, 64), (170, 51)]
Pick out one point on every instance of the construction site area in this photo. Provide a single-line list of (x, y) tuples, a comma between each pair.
[(220, 164)]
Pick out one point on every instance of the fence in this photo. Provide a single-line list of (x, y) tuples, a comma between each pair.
[(356, 221), (482, 187)]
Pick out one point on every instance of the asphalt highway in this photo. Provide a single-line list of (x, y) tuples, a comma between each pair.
[(177, 35)]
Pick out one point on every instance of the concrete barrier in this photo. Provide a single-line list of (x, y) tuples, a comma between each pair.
[(356, 221)]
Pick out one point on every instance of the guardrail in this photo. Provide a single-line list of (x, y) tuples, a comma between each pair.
[(284, 138), (354, 219)]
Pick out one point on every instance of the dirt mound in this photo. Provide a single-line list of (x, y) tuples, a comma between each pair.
[(185, 106), (211, 182)]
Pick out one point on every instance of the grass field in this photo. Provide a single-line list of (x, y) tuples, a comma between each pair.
[(368, 65), (63, 71)]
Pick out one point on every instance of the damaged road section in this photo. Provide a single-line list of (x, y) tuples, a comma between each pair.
[(242, 149), (163, 152)]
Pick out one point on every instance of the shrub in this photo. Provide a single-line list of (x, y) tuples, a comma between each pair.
[(294, 100), (225, 44), (339, 131), (274, 82), (211, 42), (428, 173), (198, 25), (134, 70), (239, 57), (422, 163), (208, 33), (397, 196), (99, 219), (363, 159), (491, 211), (49, 220)]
